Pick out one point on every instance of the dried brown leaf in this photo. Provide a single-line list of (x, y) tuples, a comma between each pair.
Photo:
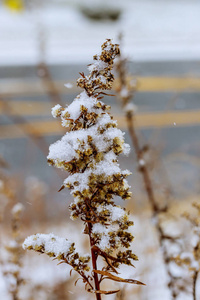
[(62, 262), (116, 278), (106, 292), (62, 187), (75, 283)]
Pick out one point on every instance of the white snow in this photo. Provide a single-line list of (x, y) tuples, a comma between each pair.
[(12, 244), (81, 178), (104, 242), (106, 167), (3, 288), (126, 149), (126, 185), (124, 92), (186, 255), (55, 110), (130, 107), (51, 243), (62, 150), (99, 228), (116, 212), (65, 149), (68, 85), (141, 162), (97, 65), (74, 108), (17, 208), (103, 233), (11, 268), (195, 265)]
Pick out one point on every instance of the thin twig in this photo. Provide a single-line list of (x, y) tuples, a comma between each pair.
[(195, 276), (156, 210)]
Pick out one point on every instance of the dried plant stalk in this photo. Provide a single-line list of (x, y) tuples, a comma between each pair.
[(189, 256), (89, 152), (125, 91), (12, 268)]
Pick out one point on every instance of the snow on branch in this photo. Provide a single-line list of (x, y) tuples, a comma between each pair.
[(57, 247)]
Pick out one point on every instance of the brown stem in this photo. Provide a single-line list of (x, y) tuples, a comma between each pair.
[(94, 255), (143, 169), (195, 276), (150, 194), (156, 210)]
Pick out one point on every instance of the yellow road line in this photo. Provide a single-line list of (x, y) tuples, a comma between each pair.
[(164, 84), (147, 120), (37, 128), (26, 108), (145, 84), (168, 119)]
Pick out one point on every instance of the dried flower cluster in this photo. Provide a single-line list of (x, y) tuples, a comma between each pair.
[(100, 77), (89, 152)]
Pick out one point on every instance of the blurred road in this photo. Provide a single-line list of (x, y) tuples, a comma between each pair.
[(168, 100)]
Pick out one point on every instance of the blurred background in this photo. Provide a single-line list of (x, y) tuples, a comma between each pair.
[(44, 45)]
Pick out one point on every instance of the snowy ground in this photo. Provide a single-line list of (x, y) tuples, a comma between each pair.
[(153, 30)]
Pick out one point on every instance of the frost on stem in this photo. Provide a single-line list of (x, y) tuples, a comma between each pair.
[(89, 153)]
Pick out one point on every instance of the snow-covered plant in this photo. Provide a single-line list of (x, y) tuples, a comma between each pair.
[(188, 259), (89, 152), (12, 267)]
